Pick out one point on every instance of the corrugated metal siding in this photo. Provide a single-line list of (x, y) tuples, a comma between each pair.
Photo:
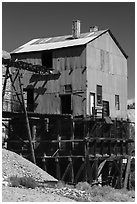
[(70, 62), (107, 66)]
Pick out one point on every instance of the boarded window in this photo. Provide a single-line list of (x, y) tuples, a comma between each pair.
[(117, 104), (47, 59), (99, 95)]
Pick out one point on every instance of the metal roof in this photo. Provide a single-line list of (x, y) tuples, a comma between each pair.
[(51, 43), (57, 42)]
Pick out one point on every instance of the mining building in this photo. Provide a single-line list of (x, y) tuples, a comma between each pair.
[(68, 109)]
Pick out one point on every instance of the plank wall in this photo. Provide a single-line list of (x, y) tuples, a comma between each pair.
[(107, 66), (71, 64)]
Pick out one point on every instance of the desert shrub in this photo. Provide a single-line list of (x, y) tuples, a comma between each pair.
[(14, 181), (60, 184), (83, 186), (28, 182)]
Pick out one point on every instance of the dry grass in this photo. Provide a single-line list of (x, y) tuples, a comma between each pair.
[(27, 182)]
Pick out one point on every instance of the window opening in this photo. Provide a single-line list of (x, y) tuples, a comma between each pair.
[(117, 103), (68, 88), (105, 108), (99, 95), (47, 59)]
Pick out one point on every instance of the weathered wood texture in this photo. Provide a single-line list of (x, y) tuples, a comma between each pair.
[(100, 62), (7, 90), (71, 63), (107, 66)]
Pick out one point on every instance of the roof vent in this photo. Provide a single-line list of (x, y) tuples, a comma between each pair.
[(93, 28), (76, 29)]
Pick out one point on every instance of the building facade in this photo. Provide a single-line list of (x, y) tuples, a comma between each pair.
[(87, 71)]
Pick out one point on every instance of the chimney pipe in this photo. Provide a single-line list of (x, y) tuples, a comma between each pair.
[(93, 28), (76, 29)]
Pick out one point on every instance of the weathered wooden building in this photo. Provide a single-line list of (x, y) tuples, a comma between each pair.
[(75, 93), (90, 71)]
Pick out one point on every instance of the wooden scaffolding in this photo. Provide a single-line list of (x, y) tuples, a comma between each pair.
[(70, 148)]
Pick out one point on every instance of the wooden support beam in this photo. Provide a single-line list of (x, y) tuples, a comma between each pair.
[(79, 171), (96, 169), (100, 167), (95, 144), (27, 123), (105, 172), (44, 164), (127, 172), (71, 170), (58, 176), (101, 150), (4, 85), (34, 135), (119, 184), (109, 148), (66, 171), (127, 150), (89, 170), (72, 132)]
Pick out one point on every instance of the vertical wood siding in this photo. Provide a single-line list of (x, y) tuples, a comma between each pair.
[(71, 63), (107, 66)]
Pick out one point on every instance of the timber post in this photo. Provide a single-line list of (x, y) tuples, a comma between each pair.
[(27, 123), (127, 172)]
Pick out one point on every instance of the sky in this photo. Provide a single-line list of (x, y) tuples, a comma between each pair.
[(24, 21)]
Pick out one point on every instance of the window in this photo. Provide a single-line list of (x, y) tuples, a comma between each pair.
[(47, 59), (68, 88), (117, 105), (99, 95)]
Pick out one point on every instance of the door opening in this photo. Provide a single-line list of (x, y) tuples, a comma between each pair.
[(92, 103), (66, 104)]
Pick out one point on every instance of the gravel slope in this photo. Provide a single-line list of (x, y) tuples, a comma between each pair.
[(52, 191), (30, 195), (14, 164)]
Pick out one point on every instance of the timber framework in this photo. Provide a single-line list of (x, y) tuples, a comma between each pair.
[(65, 106), (70, 148)]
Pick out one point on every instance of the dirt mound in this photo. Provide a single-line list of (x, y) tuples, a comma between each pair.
[(15, 165)]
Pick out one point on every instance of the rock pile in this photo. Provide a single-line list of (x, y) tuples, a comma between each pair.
[(15, 165)]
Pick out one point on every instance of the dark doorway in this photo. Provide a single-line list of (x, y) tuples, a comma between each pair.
[(47, 59), (105, 108), (66, 104)]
